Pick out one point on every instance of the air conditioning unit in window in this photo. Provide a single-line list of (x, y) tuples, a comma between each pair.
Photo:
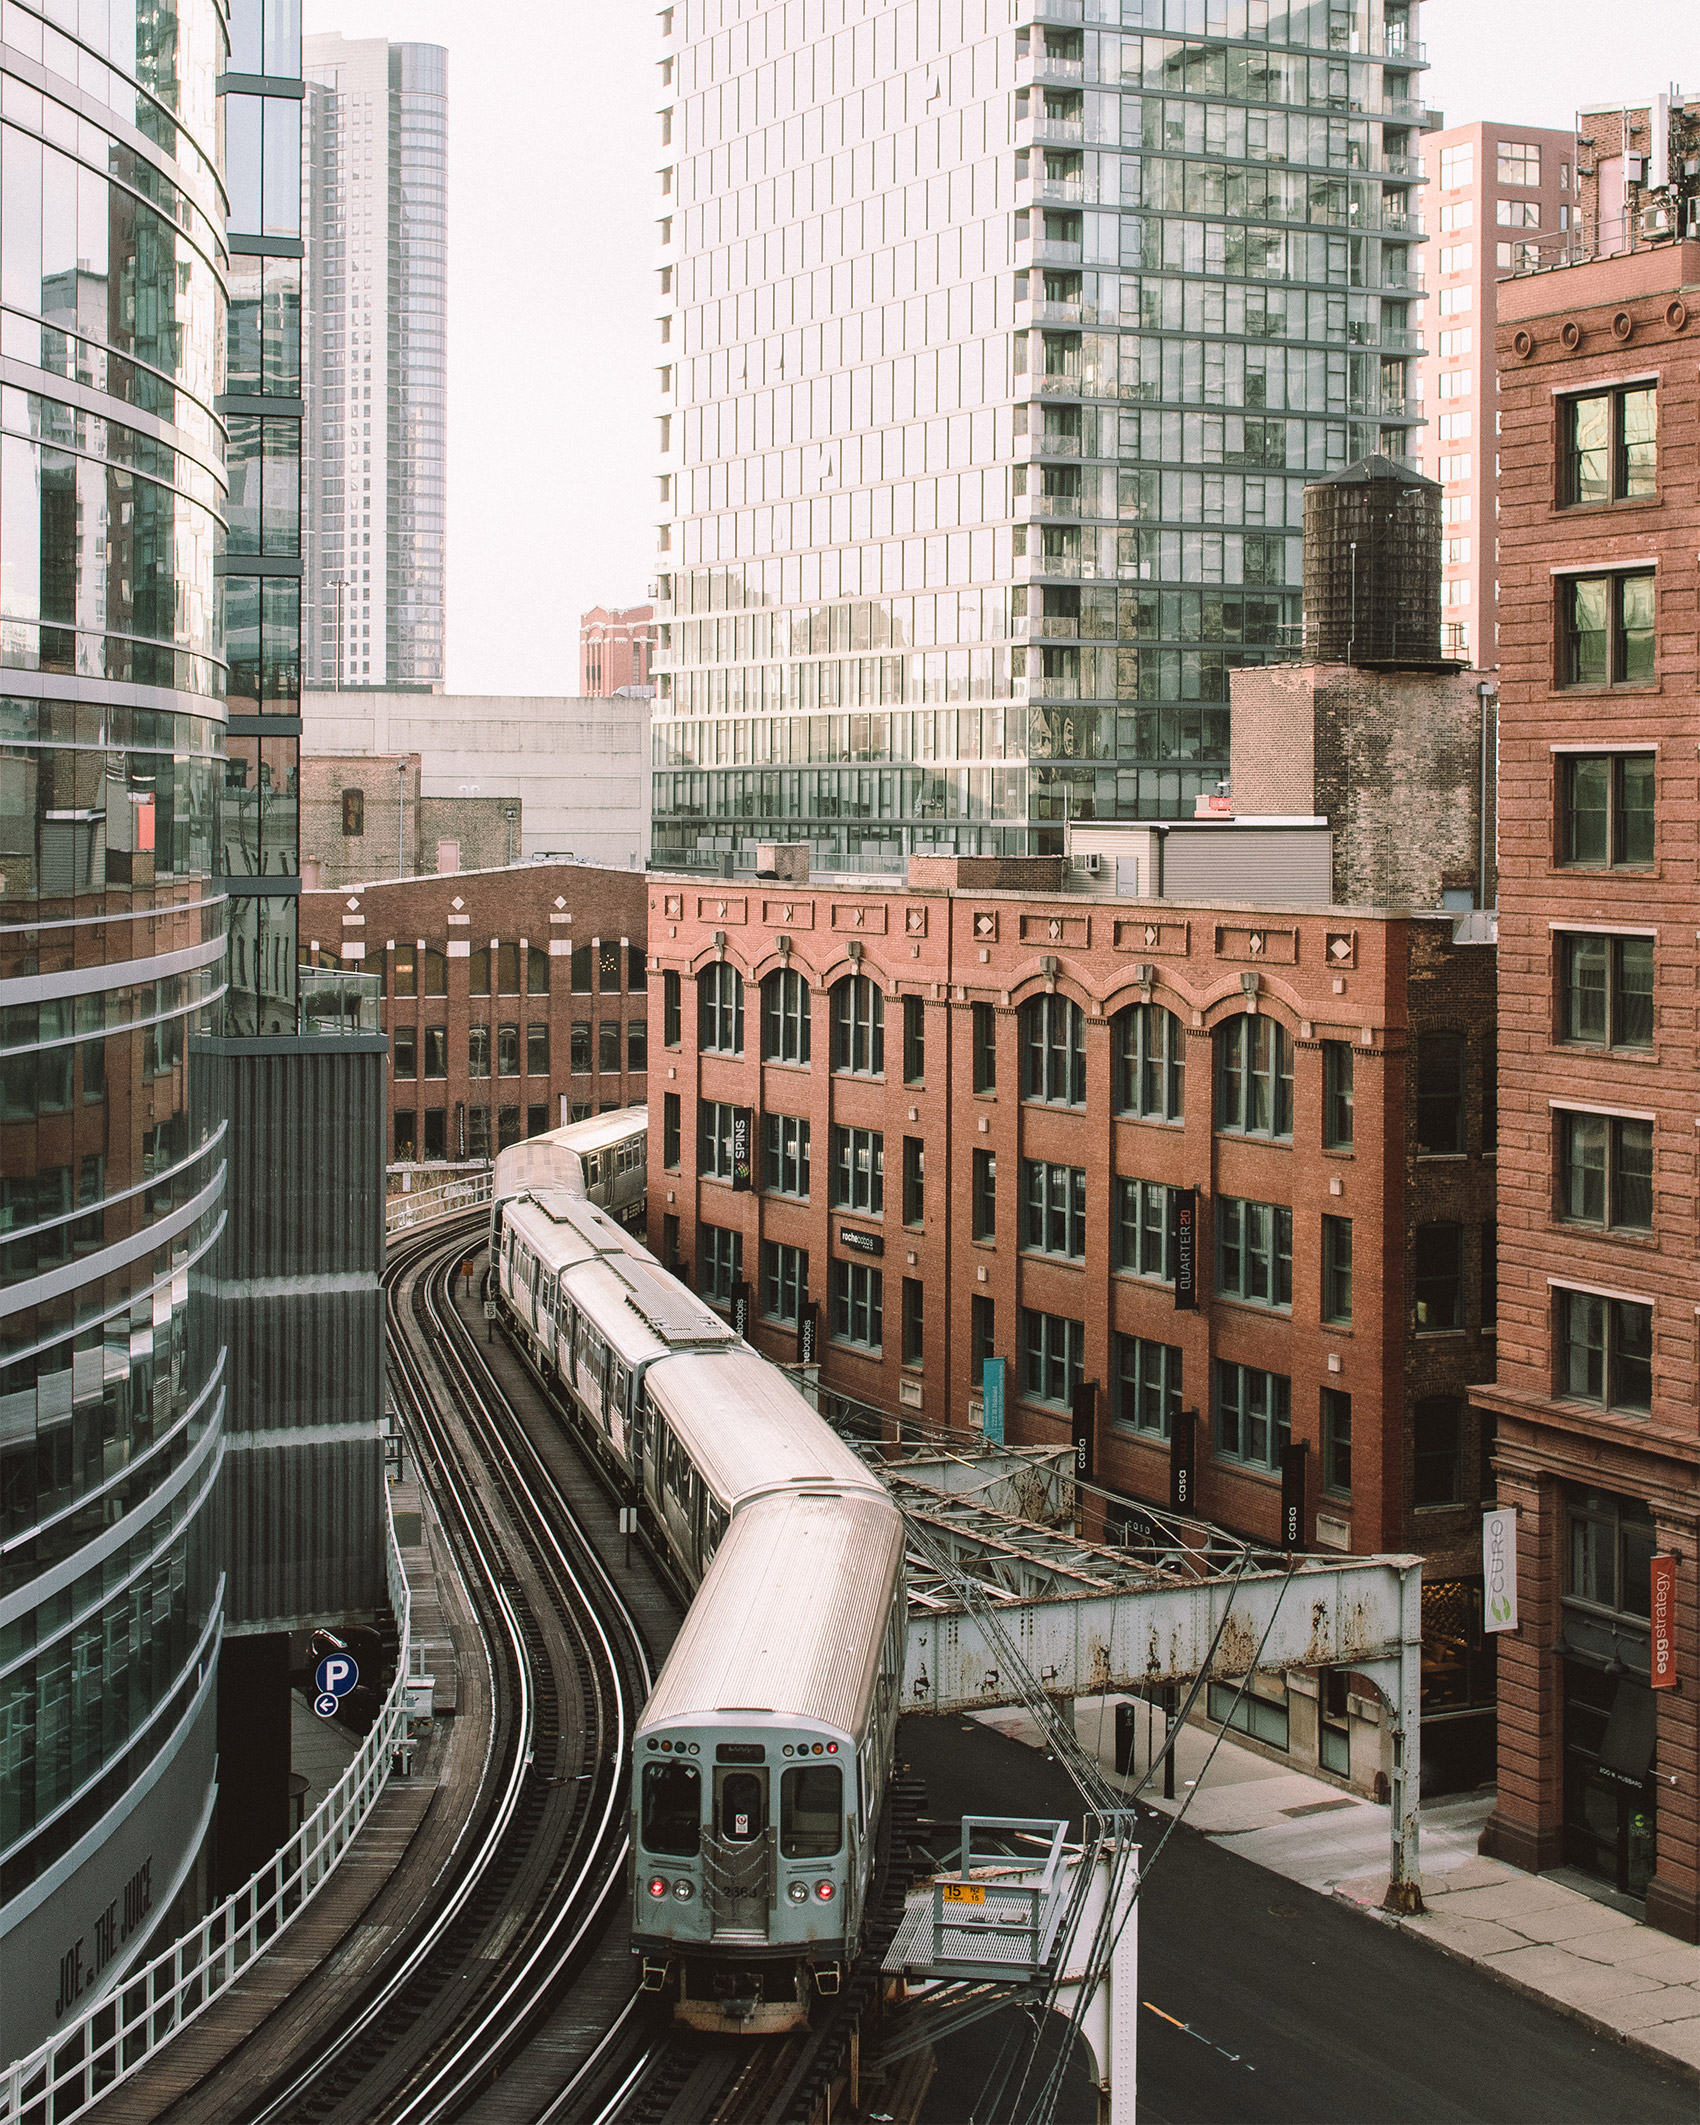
[(1691, 217), (1090, 865)]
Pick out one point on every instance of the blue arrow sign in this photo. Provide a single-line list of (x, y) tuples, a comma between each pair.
[(336, 1675), (326, 1705)]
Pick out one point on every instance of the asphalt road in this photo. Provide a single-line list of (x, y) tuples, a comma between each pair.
[(1266, 2004)]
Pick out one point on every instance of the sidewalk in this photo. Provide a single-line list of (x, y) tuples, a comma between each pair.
[(1551, 1941)]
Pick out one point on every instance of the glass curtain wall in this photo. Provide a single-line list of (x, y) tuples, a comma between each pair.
[(262, 406), (112, 940), (994, 360)]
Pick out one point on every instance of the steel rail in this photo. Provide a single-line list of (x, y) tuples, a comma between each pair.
[(550, 1956), (475, 1530)]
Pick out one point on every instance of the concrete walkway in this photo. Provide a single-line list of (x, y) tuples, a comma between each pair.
[(1550, 1940)]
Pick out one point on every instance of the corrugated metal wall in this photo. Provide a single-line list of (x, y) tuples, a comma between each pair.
[(1279, 867), (302, 1308)]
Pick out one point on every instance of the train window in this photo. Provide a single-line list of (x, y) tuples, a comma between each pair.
[(811, 1812), (672, 1809), (741, 1810)]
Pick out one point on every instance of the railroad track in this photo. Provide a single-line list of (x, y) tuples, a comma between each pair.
[(541, 1862)]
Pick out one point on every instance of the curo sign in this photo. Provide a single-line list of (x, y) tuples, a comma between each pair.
[(1499, 1570)]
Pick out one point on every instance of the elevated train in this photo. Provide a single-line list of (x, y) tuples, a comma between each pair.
[(764, 1756)]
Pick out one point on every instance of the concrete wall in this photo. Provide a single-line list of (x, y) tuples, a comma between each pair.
[(579, 768), (1393, 761)]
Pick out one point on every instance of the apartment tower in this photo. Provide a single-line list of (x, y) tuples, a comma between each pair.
[(1499, 199), (375, 197), (994, 357)]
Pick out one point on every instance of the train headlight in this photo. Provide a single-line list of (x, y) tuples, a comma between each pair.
[(826, 1891), (684, 1891), (657, 1886), (798, 1892)]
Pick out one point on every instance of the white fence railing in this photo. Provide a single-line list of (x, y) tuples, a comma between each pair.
[(108, 2041), (403, 1212)]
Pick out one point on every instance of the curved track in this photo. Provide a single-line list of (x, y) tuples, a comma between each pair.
[(541, 1862)]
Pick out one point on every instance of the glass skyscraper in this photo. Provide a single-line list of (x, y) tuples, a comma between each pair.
[(377, 352), (112, 958), (995, 355)]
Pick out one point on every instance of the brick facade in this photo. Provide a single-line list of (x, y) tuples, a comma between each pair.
[(363, 816), (1582, 1452), (576, 966), (964, 934), (1397, 761), (616, 649)]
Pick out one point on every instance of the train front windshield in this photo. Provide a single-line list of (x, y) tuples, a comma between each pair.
[(672, 1809), (811, 1812)]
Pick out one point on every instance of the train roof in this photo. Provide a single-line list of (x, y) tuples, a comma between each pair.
[(641, 1311), (790, 1615), (563, 1228), (747, 1429), (597, 1131), (552, 1159)]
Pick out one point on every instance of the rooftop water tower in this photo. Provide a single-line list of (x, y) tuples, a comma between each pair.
[(1372, 567)]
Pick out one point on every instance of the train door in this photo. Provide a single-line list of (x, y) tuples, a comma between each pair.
[(614, 1404), (739, 1860), (642, 1422)]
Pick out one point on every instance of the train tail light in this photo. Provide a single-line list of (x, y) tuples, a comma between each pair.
[(657, 1886), (826, 1891)]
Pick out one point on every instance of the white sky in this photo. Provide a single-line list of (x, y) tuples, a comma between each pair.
[(552, 207)]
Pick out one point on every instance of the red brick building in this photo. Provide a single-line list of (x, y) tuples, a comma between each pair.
[(1597, 1399), (969, 1100), (615, 649), (514, 999)]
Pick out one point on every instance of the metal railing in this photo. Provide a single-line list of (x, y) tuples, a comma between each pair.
[(107, 2042), (1002, 1915), (465, 1192)]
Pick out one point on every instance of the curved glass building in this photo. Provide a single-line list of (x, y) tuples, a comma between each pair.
[(113, 272)]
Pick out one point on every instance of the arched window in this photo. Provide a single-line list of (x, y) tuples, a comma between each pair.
[(536, 970), (1053, 1040), (582, 970), (436, 982), (785, 1017), (478, 971), (858, 1027), (1150, 1058), (720, 1010), (1254, 1077), (507, 970)]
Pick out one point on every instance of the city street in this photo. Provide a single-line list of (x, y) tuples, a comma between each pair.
[(1264, 2003)]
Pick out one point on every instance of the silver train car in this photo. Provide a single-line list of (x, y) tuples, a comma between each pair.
[(604, 1159), (764, 1757)]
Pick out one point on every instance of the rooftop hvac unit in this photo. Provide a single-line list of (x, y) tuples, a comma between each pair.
[(1658, 222)]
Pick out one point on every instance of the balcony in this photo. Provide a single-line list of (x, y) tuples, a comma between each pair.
[(1062, 191), (339, 1000), (1056, 132), (1067, 14), (1047, 444), (1043, 313), (1040, 69), (1049, 505)]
